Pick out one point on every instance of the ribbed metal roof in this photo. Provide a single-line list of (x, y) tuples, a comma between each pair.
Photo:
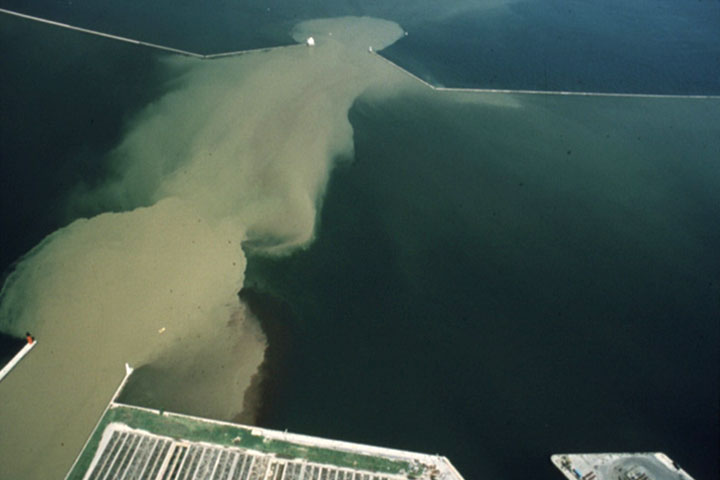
[(127, 454)]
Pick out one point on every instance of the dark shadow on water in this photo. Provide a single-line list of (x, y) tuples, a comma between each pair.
[(9, 347), (275, 316)]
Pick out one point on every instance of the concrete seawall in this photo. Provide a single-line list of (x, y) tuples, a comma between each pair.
[(539, 92)]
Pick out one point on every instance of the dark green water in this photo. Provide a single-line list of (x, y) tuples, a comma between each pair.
[(644, 46), (65, 98), (9, 347), (498, 284)]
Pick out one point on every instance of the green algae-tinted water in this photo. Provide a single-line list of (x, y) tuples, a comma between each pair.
[(498, 283)]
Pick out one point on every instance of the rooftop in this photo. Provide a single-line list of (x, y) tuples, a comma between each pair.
[(619, 466), (140, 443)]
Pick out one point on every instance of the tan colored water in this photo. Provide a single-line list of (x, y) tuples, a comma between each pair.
[(240, 149)]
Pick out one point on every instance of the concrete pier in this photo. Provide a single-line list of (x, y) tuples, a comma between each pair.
[(16, 359)]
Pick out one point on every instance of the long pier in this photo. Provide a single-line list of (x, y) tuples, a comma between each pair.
[(16, 359), (395, 65)]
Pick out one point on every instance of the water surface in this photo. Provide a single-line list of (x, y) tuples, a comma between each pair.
[(500, 281)]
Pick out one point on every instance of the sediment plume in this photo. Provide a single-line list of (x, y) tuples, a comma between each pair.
[(238, 153)]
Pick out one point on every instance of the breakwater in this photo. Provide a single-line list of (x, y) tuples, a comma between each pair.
[(135, 41), (373, 52)]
